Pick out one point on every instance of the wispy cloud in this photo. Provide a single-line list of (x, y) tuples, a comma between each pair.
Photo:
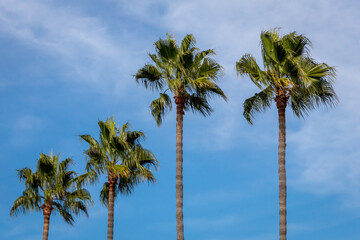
[(81, 45), (60, 29)]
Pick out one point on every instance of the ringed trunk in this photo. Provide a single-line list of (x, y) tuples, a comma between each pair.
[(46, 212), (281, 102), (179, 167), (110, 230)]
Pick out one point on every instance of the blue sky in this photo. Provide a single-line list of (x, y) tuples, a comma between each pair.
[(67, 64)]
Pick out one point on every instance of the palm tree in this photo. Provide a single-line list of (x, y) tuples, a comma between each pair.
[(121, 157), (51, 188), (290, 76), (190, 75)]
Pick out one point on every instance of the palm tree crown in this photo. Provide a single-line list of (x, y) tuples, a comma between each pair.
[(184, 71), (120, 155), (53, 187), (289, 75)]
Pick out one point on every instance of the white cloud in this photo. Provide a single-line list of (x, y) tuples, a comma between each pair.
[(59, 29), (81, 46)]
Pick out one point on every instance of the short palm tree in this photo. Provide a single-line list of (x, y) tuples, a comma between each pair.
[(52, 188), (290, 76), (120, 156), (190, 76)]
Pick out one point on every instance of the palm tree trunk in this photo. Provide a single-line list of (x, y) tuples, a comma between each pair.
[(46, 212), (179, 167), (110, 230), (281, 102)]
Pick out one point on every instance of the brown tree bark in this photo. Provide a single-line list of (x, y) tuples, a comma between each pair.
[(281, 102), (110, 230), (46, 212), (179, 167)]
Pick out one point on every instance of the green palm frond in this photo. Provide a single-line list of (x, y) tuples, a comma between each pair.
[(89, 177), (94, 155), (120, 170), (134, 137), (248, 66), (46, 165), (140, 157), (89, 139), (76, 206), (150, 76), (167, 49), (104, 194), (126, 185), (200, 56), (31, 180), (188, 43), (64, 213), (198, 104), (257, 103), (64, 165), (210, 69), (29, 201), (319, 92), (159, 107), (296, 45), (211, 91)]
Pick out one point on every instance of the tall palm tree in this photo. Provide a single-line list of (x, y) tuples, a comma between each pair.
[(53, 187), (121, 157), (190, 76), (290, 76)]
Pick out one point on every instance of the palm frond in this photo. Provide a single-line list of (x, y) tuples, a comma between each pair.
[(166, 49), (319, 92), (29, 201), (104, 194), (63, 166), (150, 76), (188, 43), (64, 213), (296, 45), (257, 103), (159, 107), (198, 104), (45, 165), (247, 66), (210, 69)]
